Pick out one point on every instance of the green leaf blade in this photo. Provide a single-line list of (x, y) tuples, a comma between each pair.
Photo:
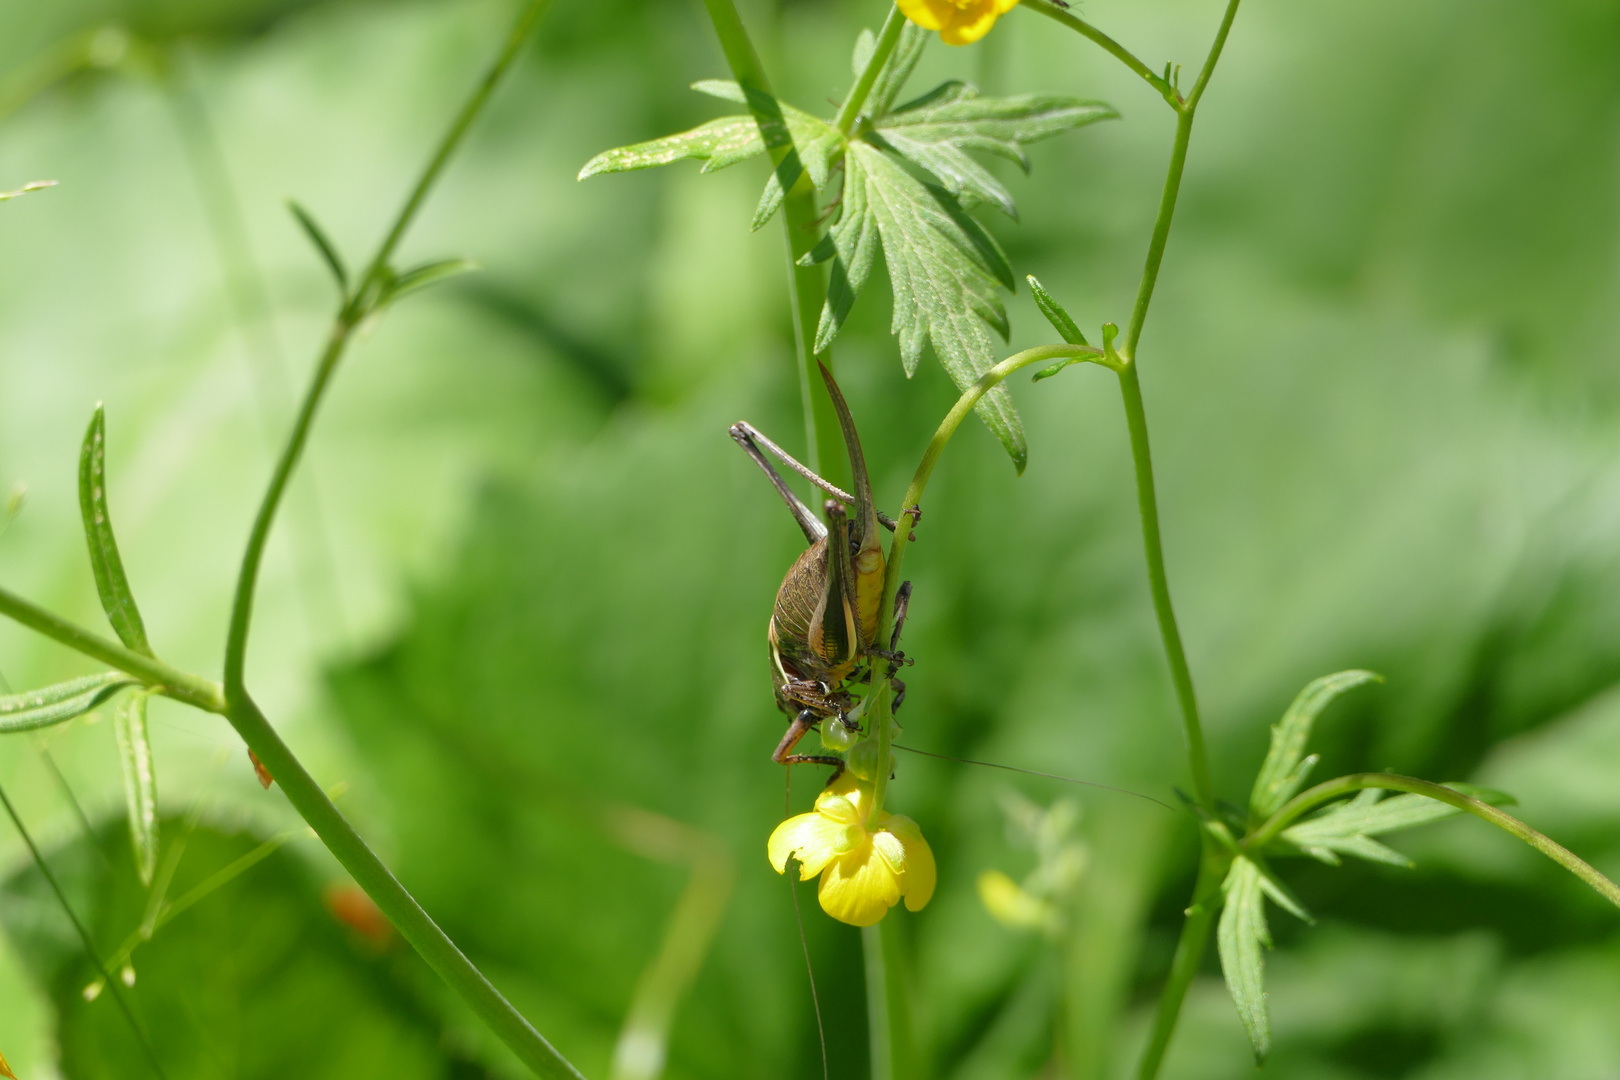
[(59, 703), (112, 585), (1241, 938), (420, 277), (323, 244), (718, 143), (943, 274), (1286, 766), (1056, 315), (140, 781)]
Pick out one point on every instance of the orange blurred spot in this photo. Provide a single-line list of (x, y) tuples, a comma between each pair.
[(265, 779), (5, 1070), (350, 906)]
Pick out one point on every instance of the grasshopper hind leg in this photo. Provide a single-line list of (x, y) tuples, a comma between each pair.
[(802, 725)]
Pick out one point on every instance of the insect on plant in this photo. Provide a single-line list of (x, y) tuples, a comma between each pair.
[(825, 622)]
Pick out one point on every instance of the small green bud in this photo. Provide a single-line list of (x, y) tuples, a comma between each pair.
[(863, 760), (836, 737)]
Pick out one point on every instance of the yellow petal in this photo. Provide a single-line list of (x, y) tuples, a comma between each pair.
[(969, 26), (859, 888), (812, 839), (926, 13), (918, 874), (1010, 904), (846, 800)]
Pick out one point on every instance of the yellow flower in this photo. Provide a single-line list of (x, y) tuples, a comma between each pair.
[(959, 22), (865, 867)]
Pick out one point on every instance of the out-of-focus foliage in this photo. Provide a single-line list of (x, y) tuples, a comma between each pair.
[(527, 575)]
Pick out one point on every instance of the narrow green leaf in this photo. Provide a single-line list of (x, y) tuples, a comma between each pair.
[(1286, 766), (116, 599), (717, 144), (1055, 314), (60, 703), (140, 781), (323, 244), (1240, 938), (865, 46), (420, 277), (32, 185), (944, 277)]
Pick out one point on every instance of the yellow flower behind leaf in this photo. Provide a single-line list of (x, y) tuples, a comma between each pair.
[(959, 22), (866, 867)]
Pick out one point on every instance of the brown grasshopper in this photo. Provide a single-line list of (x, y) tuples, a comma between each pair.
[(825, 622)]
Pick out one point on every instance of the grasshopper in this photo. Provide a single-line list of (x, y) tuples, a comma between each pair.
[(824, 626)]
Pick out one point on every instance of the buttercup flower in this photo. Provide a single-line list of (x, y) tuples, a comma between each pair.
[(959, 22), (865, 867)]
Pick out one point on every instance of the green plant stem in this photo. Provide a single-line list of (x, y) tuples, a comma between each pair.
[(301, 790), (807, 285), (887, 38), (882, 714), (1189, 955), (1333, 789), (1114, 48), (84, 936), (1195, 931), (879, 1024), (169, 681), (1130, 388)]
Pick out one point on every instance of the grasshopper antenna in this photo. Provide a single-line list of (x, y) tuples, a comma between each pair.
[(1033, 772)]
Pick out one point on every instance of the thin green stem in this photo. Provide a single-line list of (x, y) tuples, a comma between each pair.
[(84, 936), (879, 1024), (1161, 232), (850, 111), (881, 714), (1189, 956), (1130, 388), (172, 682), (1114, 48), (807, 288), (307, 798), (357, 307), (1326, 792)]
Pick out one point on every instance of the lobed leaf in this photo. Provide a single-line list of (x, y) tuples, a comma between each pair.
[(1348, 828), (1239, 938), (140, 781), (943, 268), (111, 584), (936, 130), (1286, 765), (902, 62), (60, 703)]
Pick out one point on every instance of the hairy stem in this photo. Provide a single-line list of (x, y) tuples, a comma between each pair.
[(807, 285), (1326, 792), (850, 111), (1109, 45)]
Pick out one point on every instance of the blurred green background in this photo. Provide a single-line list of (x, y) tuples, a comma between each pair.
[(523, 579)]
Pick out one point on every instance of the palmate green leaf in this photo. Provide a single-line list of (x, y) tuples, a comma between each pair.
[(1240, 938), (1286, 765), (140, 781), (60, 703), (944, 269), (111, 584), (1347, 828), (938, 129)]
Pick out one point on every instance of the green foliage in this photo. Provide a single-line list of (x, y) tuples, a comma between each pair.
[(111, 583), (256, 972), (328, 250), (60, 703), (1284, 771)]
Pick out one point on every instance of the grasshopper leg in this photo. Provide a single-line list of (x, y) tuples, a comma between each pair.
[(754, 442), (801, 726)]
